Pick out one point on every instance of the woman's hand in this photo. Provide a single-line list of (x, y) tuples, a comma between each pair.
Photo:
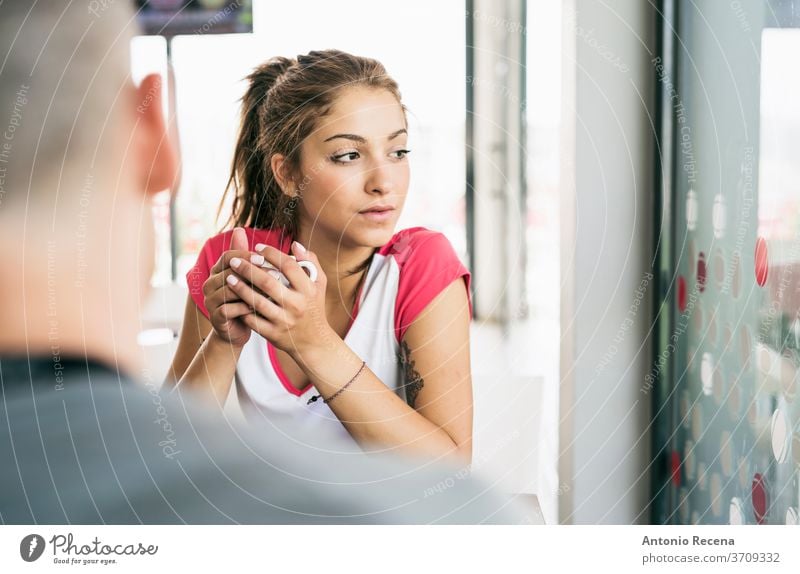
[(225, 308), (292, 318)]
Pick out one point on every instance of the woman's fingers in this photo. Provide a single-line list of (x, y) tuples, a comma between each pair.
[(238, 239), (259, 324), (262, 279), (297, 277), (224, 260), (305, 255), (220, 296), (230, 311), (262, 305)]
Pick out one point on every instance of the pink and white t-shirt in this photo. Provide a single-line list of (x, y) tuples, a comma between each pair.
[(406, 274)]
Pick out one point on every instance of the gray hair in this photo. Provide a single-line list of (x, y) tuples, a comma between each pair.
[(62, 66)]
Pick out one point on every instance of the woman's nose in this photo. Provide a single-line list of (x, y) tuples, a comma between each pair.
[(380, 179)]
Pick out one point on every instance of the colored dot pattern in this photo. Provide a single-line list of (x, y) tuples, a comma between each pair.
[(734, 450)]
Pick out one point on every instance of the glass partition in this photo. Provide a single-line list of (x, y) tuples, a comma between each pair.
[(728, 438)]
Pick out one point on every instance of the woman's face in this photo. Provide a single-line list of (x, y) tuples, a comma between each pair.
[(355, 161)]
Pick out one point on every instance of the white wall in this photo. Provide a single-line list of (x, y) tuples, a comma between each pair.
[(607, 220)]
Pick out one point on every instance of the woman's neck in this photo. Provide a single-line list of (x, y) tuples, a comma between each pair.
[(337, 262)]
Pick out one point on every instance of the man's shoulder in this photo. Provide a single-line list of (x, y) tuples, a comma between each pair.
[(129, 453)]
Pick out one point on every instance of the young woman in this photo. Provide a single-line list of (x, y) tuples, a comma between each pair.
[(377, 348)]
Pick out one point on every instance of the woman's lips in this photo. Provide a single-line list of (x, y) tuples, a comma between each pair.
[(377, 216)]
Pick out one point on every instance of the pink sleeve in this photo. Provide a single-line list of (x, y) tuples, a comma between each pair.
[(208, 257), (430, 265)]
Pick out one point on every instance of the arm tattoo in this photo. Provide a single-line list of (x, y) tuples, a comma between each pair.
[(413, 380)]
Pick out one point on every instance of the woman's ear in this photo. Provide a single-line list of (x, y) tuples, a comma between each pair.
[(157, 157), (280, 168)]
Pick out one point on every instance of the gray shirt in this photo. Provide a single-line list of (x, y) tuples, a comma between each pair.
[(81, 444)]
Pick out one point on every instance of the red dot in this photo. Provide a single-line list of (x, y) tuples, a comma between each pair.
[(676, 468), (681, 293), (759, 496), (702, 271), (762, 262)]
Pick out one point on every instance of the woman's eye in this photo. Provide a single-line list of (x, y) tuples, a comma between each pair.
[(403, 153), (348, 157)]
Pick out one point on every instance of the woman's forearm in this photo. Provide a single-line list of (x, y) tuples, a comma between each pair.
[(376, 417), (212, 369)]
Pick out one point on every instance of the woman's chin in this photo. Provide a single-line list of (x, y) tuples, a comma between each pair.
[(374, 236)]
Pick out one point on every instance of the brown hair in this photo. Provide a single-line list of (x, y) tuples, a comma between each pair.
[(285, 99)]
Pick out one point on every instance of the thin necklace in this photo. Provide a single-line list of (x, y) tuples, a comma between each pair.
[(361, 281)]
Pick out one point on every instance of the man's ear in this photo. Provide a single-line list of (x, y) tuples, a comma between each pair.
[(158, 157)]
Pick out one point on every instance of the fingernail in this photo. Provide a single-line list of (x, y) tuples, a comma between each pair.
[(235, 262), (274, 274), (257, 260), (232, 280), (260, 246), (299, 247)]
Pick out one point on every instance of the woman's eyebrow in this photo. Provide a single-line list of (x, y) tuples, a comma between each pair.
[(397, 133), (361, 139)]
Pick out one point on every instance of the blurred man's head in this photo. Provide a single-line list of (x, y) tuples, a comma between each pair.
[(81, 152)]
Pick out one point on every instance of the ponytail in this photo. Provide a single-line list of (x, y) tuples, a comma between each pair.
[(258, 201)]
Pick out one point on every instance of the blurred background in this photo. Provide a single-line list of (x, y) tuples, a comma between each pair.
[(620, 180)]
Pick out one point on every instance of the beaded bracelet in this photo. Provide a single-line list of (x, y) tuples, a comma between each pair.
[(336, 394)]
